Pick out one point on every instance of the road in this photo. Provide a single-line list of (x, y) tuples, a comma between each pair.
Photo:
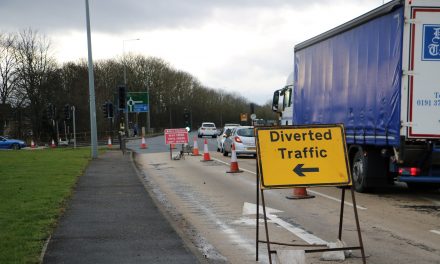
[(398, 225)]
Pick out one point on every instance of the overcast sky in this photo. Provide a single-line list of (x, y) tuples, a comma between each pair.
[(244, 46)]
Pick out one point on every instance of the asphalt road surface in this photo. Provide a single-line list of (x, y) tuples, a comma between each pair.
[(216, 210)]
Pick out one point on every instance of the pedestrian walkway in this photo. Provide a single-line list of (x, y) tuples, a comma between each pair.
[(112, 219)]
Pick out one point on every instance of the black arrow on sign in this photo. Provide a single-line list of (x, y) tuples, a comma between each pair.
[(300, 170)]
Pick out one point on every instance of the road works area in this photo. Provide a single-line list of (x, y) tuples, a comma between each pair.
[(216, 211)]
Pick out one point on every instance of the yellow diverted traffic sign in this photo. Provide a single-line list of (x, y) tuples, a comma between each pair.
[(302, 156)]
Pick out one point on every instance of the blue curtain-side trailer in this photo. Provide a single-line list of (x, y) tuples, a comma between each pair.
[(379, 75)]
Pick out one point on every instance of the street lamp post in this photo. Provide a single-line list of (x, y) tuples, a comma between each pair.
[(125, 81), (93, 129)]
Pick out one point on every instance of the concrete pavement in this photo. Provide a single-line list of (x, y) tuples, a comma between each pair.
[(112, 219)]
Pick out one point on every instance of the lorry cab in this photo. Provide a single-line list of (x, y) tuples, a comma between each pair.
[(282, 102)]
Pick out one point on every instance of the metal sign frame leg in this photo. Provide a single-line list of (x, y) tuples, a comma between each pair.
[(258, 211), (361, 245), (341, 214), (266, 227), (171, 153)]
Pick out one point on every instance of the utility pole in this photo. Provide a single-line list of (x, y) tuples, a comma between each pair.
[(93, 130)]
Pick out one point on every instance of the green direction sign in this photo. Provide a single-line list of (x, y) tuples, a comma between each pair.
[(137, 102)]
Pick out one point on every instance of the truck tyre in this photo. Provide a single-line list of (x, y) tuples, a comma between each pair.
[(360, 171), (369, 170)]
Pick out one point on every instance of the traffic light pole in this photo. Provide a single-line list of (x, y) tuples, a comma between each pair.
[(74, 126), (149, 108)]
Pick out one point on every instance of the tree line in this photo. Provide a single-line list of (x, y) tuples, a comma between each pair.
[(31, 80)]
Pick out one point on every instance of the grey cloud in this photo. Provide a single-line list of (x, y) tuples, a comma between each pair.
[(121, 15)]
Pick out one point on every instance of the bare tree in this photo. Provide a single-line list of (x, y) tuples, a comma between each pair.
[(35, 69), (8, 66)]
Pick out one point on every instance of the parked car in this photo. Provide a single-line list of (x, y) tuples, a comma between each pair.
[(222, 135), (7, 143), (244, 140), (207, 129)]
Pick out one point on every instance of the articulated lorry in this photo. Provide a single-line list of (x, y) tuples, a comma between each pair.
[(379, 76)]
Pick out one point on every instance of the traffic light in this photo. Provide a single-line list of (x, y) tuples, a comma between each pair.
[(110, 110), (67, 112), (121, 97), (105, 109), (186, 117)]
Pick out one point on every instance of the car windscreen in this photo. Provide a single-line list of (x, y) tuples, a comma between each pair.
[(245, 132), (208, 125)]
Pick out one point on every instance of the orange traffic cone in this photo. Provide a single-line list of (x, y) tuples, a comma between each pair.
[(53, 144), (109, 142), (300, 193), (234, 164), (206, 156), (32, 143), (195, 148), (143, 144)]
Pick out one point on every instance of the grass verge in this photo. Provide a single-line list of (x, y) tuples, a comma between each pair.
[(34, 186)]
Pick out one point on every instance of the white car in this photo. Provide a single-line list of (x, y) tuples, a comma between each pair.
[(244, 140), (207, 129), (222, 135)]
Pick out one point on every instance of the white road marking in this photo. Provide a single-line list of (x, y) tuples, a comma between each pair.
[(336, 199), (229, 164), (314, 192), (431, 200), (249, 208), (435, 232), (248, 245)]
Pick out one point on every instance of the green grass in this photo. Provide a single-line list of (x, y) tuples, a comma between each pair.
[(34, 186)]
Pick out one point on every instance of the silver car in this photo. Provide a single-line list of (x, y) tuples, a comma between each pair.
[(222, 135), (244, 140)]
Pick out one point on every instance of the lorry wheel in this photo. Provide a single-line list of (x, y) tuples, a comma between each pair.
[(360, 171)]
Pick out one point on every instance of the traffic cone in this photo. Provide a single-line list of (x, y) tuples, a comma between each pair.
[(195, 148), (109, 142), (32, 143), (143, 144), (206, 156), (234, 164), (300, 193), (52, 145)]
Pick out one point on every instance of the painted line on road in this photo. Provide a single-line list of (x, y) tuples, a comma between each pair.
[(435, 232), (228, 165), (251, 209), (436, 202), (314, 192), (337, 200)]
